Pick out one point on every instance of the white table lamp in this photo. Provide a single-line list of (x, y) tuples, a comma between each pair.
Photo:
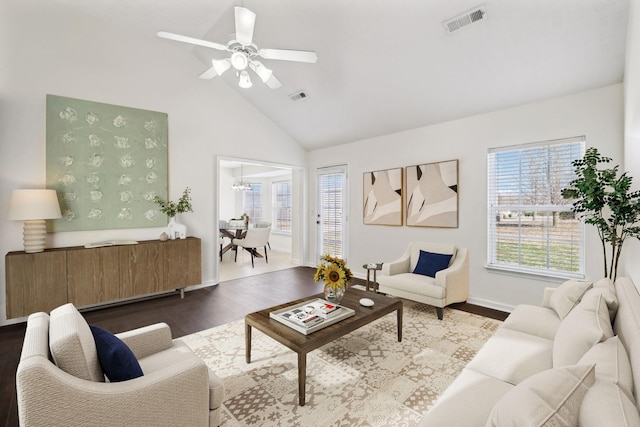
[(33, 207)]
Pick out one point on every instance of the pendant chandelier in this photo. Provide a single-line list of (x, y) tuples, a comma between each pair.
[(241, 185)]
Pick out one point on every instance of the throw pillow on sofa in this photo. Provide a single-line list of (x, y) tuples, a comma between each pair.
[(551, 397), (567, 296), (612, 363), (607, 289), (605, 404), (430, 263), (116, 359), (585, 326)]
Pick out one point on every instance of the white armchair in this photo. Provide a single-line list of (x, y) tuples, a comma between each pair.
[(449, 285), (177, 387)]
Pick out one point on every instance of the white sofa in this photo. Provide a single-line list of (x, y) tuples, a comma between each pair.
[(60, 381), (449, 285), (575, 360)]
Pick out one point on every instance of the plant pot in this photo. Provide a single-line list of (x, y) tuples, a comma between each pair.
[(176, 230)]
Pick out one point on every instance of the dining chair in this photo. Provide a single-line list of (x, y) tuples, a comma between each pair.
[(263, 224), (254, 239)]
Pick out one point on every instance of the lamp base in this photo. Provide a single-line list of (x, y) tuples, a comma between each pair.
[(34, 235)]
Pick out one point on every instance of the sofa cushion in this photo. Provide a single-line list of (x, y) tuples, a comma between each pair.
[(116, 359), (71, 343), (627, 327), (513, 356), (612, 363), (477, 392), (585, 326), (177, 355), (551, 397), (607, 289), (430, 263), (567, 296), (605, 404), (414, 283), (535, 320)]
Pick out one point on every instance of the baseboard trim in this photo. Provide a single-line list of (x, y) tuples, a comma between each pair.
[(490, 304)]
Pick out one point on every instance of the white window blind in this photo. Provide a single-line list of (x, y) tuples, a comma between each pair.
[(530, 226), (252, 202), (281, 195), (331, 214)]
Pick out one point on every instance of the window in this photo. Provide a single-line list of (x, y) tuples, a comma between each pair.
[(252, 202), (531, 227), (332, 208), (281, 192)]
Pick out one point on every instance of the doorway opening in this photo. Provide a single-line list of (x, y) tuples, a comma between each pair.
[(270, 195)]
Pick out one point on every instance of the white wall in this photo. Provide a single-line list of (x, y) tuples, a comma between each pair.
[(632, 128), (46, 49), (596, 114), (227, 198)]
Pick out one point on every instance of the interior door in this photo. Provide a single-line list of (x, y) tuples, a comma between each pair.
[(332, 211)]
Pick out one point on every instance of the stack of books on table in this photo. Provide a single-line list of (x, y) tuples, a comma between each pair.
[(312, 315)]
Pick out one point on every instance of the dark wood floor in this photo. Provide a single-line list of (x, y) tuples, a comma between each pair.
[(200, 309)]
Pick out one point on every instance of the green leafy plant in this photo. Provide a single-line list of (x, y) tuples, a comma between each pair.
[(171, 209), (603, 198)]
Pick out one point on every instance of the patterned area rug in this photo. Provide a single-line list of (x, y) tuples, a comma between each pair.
[(366, 378)]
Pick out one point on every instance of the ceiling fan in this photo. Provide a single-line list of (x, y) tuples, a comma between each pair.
[(243, 52)]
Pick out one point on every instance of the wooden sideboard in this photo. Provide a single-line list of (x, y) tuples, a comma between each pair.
[(45, 280)]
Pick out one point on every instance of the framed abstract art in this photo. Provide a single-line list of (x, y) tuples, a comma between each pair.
[(432, 194), (382, 197)]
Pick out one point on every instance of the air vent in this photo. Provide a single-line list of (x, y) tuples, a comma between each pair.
[(474, 15), (298, 96)]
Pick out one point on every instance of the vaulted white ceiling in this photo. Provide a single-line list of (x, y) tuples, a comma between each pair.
[(386, 65)]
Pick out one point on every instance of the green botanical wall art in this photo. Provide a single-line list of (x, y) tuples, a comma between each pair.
[(107, 163)]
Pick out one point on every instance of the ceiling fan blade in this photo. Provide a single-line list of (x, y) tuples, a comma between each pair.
[(245, 22), (209, 74), (191, 40), (289, 55), (273, 83)]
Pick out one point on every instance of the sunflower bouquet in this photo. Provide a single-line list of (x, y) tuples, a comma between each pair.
[(333, 271)]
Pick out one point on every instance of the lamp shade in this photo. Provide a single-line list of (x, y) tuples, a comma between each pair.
[(245, 81), (33, 204), (221, 65)]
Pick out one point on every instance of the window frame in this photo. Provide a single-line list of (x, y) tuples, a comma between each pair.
[(275, 194), (254, 194), (573, 147)]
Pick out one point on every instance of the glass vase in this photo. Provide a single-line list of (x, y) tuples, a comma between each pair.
[(334, 295)]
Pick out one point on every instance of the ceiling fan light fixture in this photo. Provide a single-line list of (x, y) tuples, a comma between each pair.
[(245, 81), (242, 50), (263, 72), (239, 60), (221, 65)]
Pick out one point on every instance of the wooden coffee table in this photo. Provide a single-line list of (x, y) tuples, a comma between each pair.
[(303, 344)]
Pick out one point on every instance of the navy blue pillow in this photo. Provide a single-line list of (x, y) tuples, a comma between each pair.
[(116, 359), (430, 263)]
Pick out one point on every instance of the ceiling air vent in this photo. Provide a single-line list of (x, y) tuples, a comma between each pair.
[(474, 15), (298, 96)]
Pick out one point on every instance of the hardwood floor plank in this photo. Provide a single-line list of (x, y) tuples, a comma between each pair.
[(200, 309)]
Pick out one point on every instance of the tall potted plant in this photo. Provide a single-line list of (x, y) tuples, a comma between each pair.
[(603, 198)]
